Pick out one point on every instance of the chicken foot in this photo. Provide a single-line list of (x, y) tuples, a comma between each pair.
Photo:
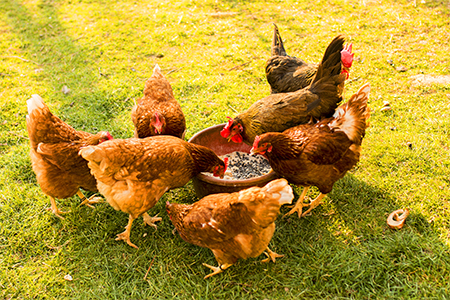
[(125, 236), (316, 202), (54, 209), (271, 256), (151, 220), (216, 270), (88, 201), (298, 207)]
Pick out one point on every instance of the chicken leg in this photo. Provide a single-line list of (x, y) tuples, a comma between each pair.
[(316, 202), (54, 209), (88, 201), (151, 220), (271, 256), (216, 270), (125, 236), (299, 205)]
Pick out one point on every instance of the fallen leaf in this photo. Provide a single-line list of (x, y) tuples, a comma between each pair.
[(68, 277), (65, 90)]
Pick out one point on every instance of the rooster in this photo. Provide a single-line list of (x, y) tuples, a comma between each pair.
[(158, 112), (233, 226), (54, 146), (288, 74), (279, 112), (318, 154), (133, 174)]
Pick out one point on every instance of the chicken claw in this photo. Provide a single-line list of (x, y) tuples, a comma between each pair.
[(216, 270), (316, 202), (298, 207), (151, 221), (271, 256), (88, 201), (125, 236), (54, 209)]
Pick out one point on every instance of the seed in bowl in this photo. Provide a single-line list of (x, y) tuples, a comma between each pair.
[(242, 165)]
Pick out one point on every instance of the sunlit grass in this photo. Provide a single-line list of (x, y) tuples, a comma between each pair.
[(214, 53)]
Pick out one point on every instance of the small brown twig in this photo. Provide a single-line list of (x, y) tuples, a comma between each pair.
[(21, 58), (18, 135), (238, 66), (173, 70), (151, 264)]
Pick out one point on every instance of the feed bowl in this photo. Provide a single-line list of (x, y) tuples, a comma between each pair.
[(204, 184)]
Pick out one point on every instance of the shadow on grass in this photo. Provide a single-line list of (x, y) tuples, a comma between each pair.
[(346, 249), (89, 104)]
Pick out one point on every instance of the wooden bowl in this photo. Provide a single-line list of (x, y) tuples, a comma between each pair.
[(204, 184)]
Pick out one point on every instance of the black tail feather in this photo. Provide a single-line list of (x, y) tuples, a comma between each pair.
[(327, 79), (277, 43)]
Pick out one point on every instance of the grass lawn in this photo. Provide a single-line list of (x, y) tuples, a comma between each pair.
[(214, 54)]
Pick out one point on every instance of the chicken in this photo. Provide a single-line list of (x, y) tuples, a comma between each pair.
[(279, 112), (158, 112), (233, 226), (60, 170), (286, 74), (318, 154), (134, 173)]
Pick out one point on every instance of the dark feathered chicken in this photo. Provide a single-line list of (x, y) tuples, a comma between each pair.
[(60, 170), (279, 112), (318, 154), (288, 74), (233, 226)]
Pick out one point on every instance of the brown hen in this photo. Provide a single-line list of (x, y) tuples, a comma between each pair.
[(158, 112), (279, 112), (233, 226), (318, 154), (60, 170), (134, 173)]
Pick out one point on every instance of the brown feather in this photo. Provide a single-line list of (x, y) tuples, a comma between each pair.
[(236, 225), (320, 154), (158, 97), (134, 173), (54, 147)]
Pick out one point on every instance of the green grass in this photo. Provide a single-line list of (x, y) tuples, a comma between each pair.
[(103, 51)]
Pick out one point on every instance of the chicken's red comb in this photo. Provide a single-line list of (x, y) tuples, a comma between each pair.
[(158, 120), (225, 160), (225, 132), (347, 56), (109, 136), (256, 142)]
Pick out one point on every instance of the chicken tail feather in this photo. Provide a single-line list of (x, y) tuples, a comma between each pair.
[(277, 43), (156, 69), (326, 83), (279, 188), (35, 102), (90, 154), (352, 116)]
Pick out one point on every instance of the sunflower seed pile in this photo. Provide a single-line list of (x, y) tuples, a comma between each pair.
[(242, 165)]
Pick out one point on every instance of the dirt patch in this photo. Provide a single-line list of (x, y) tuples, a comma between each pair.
[(430, 79)]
